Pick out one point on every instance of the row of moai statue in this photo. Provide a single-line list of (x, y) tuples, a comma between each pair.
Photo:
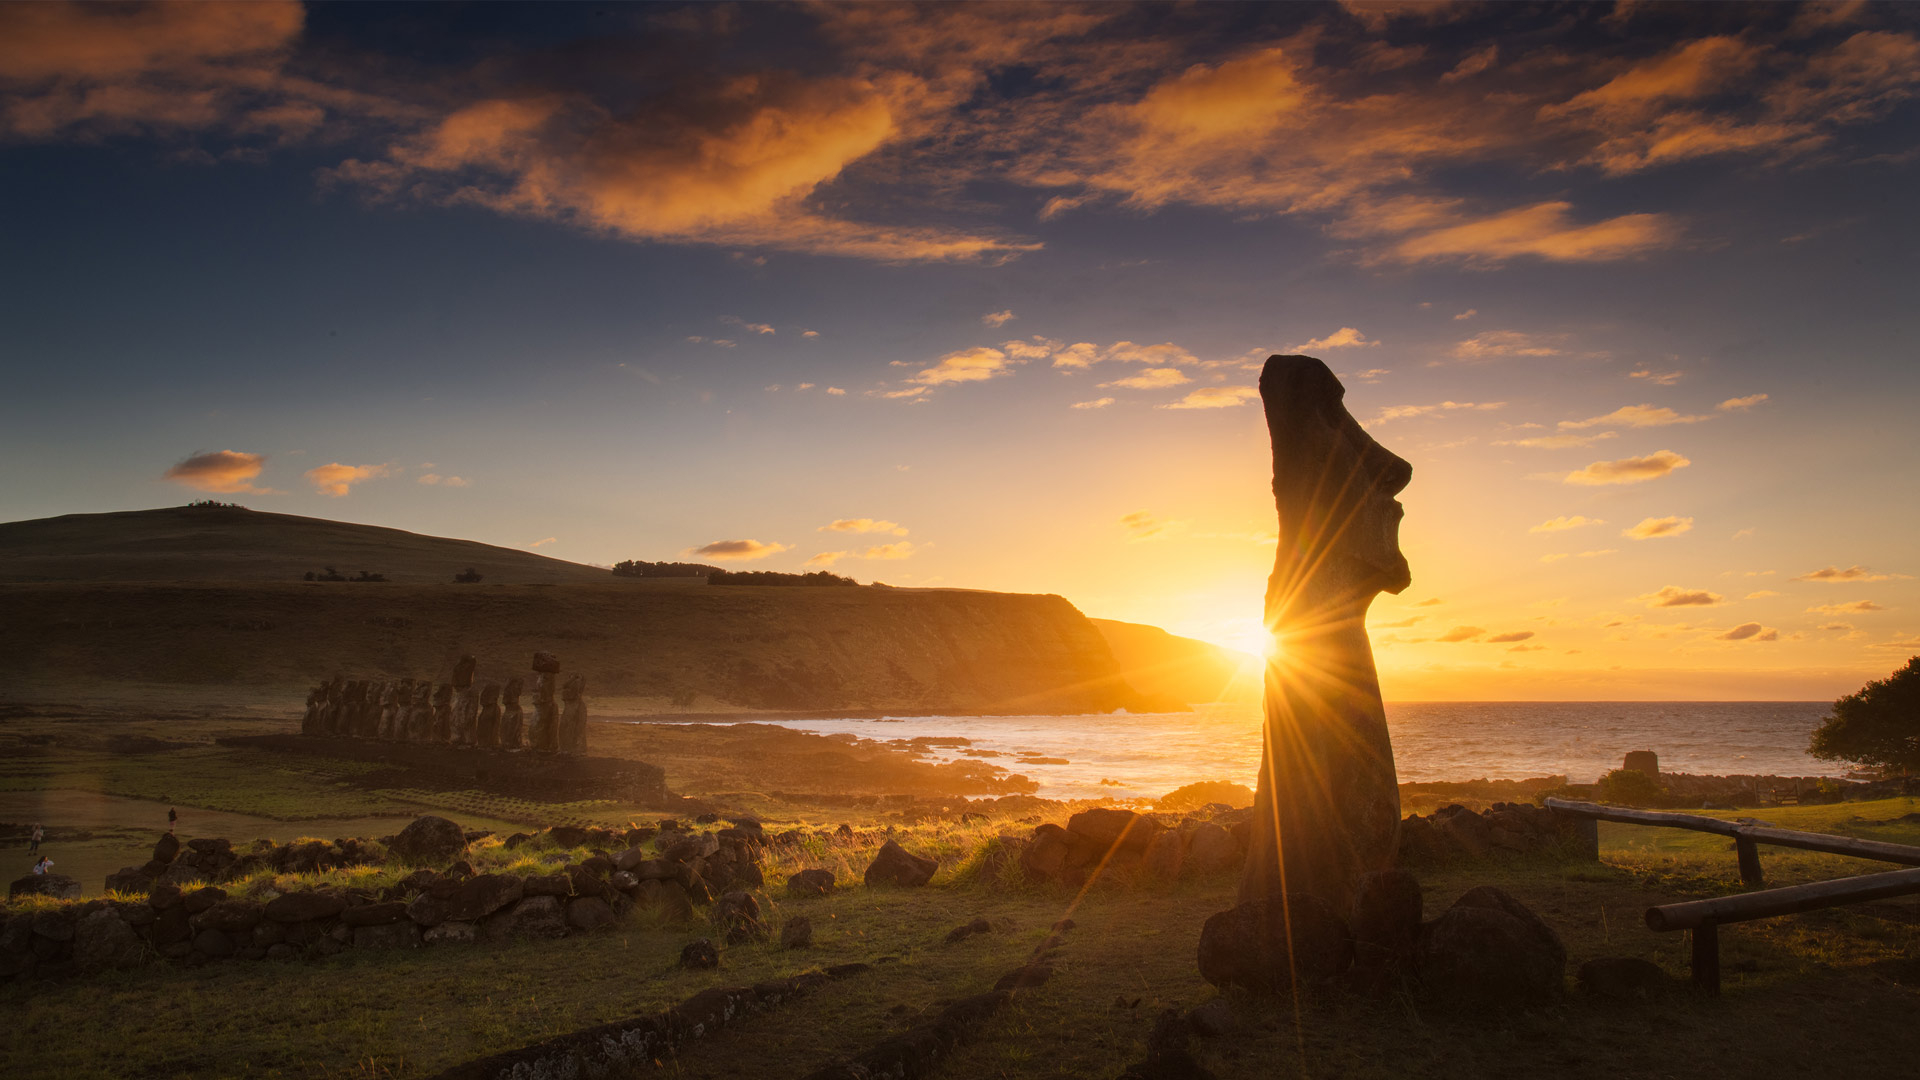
[(452, 714)]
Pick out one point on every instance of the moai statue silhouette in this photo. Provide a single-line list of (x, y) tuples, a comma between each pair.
[(513, 724), (466, 707), (486, 724), (545, 733), (573, 716)]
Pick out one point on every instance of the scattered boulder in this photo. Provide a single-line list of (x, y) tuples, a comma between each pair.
[(796, 933), (533, 916), (451, 932), (554, 884), (57, 886), (967, 930), (589, 913), (213, 943), (1163, 856), (230, 917), (102, 939), (429, 839), (1249, 945), (381, 914), (130, 880), (181, 874), (1386, 916), (1621, 978), (738, 915), (305, 906), (699, 955), (478, 897), (810, 883), (166, 849), (1487, 953), (1210, 850), (895, 865), (1110, 828), (200, 900)]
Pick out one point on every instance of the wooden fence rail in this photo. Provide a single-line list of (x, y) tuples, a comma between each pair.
[(1703, 917)]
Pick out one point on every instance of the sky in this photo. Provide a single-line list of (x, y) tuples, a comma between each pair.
[(977, 295)]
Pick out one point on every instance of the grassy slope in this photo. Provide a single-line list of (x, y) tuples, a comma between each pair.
[(182, 543), (1827, 993)]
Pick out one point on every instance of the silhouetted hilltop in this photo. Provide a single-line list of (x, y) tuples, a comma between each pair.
[(230, 543), (1174, 668)]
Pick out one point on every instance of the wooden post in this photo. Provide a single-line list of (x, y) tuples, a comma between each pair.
[(1750, 871), (1706, 958)]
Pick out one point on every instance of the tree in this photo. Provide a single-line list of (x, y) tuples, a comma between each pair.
[(467, 576), (1877, 725)]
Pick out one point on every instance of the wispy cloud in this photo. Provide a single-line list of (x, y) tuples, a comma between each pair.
[(1511, 636), (1462, 633), (998, 319), (1096, 403), (902, 549), (545, 542), (741, 550), (337, 480), (1467, 314), (1632, 470), (1651, 528), (1142, 525), (1741, 404), (1557, 442), (862, 525), (827, 558), (1635, 416), (1498, 343), (1149, 379), (1561, 524), (965, 366), (437, 480), (1835, 575), (225, 472), (1214, 397), (1657, 378), (1857, 607), (1344, 338), (1403, 412), (1675, 596), (1752, 631)]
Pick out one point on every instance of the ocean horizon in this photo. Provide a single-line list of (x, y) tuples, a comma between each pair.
[(1146, 755)]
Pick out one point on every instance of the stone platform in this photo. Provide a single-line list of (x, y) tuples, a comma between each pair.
[(521, 773)]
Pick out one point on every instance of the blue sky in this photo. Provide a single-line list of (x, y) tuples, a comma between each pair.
[(988, 286)]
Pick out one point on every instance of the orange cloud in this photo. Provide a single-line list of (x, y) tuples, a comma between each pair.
[(1150, 379), (227, 472), (1495, 343), (862, 525), (1512, 636), (1635, 416), (900, 550), (966, 365), (1657, 378), (1096, 403), (1675, 596), (1561, 524), (1752, 631), (1852, 573), (1403, 412), (1557, 442), (1741, 404), (998, 318), (1344, 338), (1631, 470), (1214, 397), (336, 479), (1650, 528), (742, 550), (827, 558), (1545, 230), (1462, 633), (1141, 525)]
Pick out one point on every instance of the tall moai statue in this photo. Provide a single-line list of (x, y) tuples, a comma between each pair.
[(573, 716), (336, 701), (420, 714), (486, 723), (544, 734), (442, 714), (1328, 806), (512, 720), (368, 725), (316, 710), (390, 707), (351, 702), (466, 707)]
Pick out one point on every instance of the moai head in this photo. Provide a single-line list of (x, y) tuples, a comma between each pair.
[(511, 694), (490, 695), (546, 663), (423, 696), (463, 673), (574, 687), (443, 695)]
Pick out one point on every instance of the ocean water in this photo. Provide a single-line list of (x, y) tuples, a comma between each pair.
[(1147, 755)]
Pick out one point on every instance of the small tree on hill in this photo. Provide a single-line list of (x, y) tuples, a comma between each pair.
[(467, 576), (1877, 725)]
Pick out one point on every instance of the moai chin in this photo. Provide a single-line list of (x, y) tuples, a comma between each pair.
[(486, 723), (466, 707), (573, 716), (512, 719), (545, 731), (1328, 806)]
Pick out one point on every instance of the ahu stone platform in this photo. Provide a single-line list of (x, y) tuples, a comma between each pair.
[(522, 773)]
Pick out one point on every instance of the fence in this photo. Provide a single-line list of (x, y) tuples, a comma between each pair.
[(1703, 917)]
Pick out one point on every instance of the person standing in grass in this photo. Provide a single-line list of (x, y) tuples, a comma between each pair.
[(173, 817), (38, 834)]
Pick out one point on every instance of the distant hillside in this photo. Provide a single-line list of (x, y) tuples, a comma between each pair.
[(219, 543), (212, 597), (1174, 668)]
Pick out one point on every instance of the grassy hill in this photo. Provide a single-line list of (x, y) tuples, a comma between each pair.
[(212, 597), (229, 543)]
